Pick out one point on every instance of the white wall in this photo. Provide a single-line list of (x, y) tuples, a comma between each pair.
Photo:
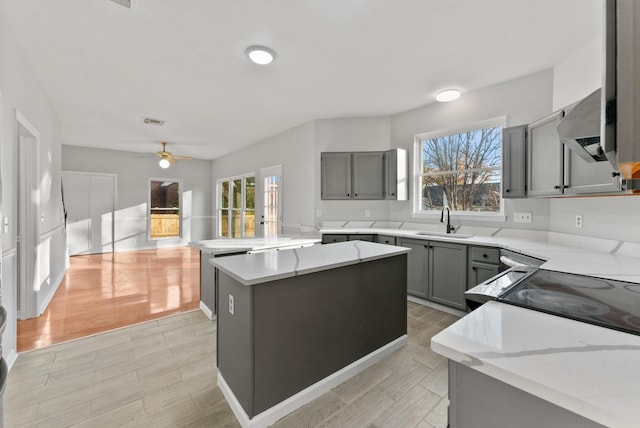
[(21, 91), (521, 100), (293, 149), (579, 74), (133, 174)]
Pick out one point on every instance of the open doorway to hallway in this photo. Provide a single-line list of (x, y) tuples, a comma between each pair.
[(102, 292)]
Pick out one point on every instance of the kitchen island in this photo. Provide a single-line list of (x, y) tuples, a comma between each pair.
[(294, 323), (511, 366), (213, 248)]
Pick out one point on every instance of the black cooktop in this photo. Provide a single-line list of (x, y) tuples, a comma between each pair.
[(604, 302)]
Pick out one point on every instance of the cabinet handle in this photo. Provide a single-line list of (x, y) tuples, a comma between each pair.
[(507, 190), (355, 194), (565, 187), (485, 256), (473, 268), (393, 194), (556, 187), (348, 194)]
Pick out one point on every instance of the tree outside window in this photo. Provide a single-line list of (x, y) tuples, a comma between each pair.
[(461, 170)]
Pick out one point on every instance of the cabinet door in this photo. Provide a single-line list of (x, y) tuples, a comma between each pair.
[(368, 175), (545, 158), (331, 238), (582, 177), (480, 272), (514, 162), (386, 239), (448, 274), (335, 176), (417, 266)]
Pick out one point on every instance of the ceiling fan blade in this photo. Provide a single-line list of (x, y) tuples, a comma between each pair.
[(171, 159), (146, 155), (182, 157)]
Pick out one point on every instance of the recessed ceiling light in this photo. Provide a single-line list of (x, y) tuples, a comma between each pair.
[(261, 54), (447, 95)]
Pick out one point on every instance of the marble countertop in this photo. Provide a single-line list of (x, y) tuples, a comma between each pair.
[(589, 370), (562, 252), (216, 247), (251, 269)]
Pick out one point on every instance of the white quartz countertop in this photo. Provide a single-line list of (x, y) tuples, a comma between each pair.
[(215, 247), (251, 269), (589, 370), (565, 253)]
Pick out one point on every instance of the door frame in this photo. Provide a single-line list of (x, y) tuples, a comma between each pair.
[(268, 172), (28, 228), (113, 208)]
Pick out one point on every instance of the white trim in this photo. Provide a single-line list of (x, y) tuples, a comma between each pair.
[(205, 310), (55, 284), (51, 232), (280, 410), (437, 306), (12, 252), (11, 359)]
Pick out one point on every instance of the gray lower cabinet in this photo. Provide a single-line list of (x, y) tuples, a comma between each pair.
[(484, 263), (436, 271), (386, 239), (448, 274), (331, 238), (417, 266)]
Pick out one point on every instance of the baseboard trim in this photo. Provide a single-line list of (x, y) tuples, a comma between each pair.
[(205, 309), (280, 410), (47, 300), (11, 358), (437, 306)]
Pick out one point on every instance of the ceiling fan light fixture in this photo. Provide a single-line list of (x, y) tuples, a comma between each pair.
[(164, 163), (447, 95), (261, 54)]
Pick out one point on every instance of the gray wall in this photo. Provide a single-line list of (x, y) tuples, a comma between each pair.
[(21, 91), (133, 174)]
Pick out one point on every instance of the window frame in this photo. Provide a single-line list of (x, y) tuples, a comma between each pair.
[(230, 209), (180, 210), (417, 210)]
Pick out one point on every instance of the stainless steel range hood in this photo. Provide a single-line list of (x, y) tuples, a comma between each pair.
[(580, 129)]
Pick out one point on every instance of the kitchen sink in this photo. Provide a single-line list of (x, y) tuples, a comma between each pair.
[(448, 235)]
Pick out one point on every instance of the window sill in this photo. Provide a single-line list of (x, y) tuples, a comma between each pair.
[(481, 217)]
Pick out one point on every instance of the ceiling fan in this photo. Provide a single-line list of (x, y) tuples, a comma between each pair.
[(167, 158)]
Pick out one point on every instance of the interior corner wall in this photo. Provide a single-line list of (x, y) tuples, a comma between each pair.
[(522, 101), (293, 149), (132, 193), (21, 91)]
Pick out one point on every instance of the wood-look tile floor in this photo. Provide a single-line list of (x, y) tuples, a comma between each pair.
[(101, 292), (162, 373)]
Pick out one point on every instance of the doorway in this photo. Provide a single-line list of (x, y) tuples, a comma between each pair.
[(271, 201), (90, 202), (28, 226)]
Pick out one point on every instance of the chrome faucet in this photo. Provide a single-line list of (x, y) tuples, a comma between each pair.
[(450, 228)]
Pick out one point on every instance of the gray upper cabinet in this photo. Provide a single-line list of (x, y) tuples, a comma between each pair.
[(364, 175), (582, 177), (368, 175), (448, 274), (545, 158), (335, 175), (514, 162), (396, 178)]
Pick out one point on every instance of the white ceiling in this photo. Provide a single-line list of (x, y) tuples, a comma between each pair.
[(105, 66)]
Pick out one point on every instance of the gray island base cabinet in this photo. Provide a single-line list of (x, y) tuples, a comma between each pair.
[(480, 401), (280, 337)]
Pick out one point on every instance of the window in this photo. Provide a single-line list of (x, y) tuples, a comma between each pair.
[(164, 209), (236, 207), (460, 169)]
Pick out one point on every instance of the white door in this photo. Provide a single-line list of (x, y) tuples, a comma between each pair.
[(90, 203), (270, 209)]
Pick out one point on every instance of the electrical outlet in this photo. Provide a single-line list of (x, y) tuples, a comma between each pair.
[(367, 213), (522, 217), (579, 221), (231, 305)]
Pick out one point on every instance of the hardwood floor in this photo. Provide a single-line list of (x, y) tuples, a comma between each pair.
[(162, 373), (101, 292)]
